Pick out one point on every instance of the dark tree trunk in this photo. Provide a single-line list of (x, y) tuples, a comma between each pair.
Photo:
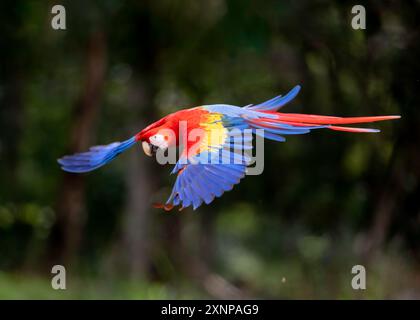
[(13, 71), (140, 183), (67, 232), (136, 239), (11, 127)]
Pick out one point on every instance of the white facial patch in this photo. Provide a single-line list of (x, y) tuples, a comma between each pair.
[(159, 140)]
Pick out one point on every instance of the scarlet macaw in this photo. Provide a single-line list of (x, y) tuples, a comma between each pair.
[(199, 181)]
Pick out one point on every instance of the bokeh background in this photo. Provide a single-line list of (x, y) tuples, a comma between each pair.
[(326, 201)]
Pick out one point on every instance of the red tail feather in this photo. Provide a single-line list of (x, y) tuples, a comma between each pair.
[(309, 120), (352, 129), (326, 120)]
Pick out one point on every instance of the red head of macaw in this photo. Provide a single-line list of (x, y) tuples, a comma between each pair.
[(198, 179)]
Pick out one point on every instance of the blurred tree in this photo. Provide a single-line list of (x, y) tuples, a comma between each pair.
[(67, 232)]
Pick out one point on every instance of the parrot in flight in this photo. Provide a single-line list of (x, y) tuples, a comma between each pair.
[(198, 180)]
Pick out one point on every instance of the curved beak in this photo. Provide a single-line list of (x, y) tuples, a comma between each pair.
[(146, 148)]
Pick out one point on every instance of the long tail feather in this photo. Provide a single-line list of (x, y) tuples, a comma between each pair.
[(353, 129), (293, 123), (276, 124), (328, 120), (96, 157)]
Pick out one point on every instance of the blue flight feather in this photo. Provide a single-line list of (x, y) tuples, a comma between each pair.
[(96, 157), (276, 102)]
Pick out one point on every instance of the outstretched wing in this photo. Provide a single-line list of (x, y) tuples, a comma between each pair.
[(96, 157), (198, 183), (276, 102)]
